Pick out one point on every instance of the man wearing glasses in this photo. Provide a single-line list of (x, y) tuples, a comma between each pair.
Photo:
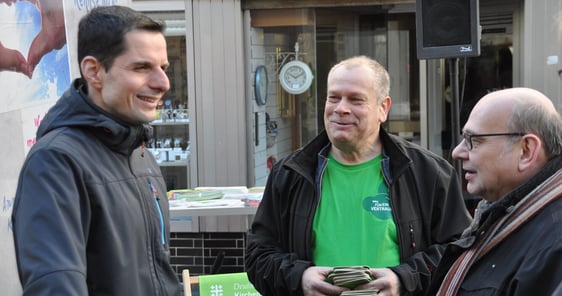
[(512, 157)]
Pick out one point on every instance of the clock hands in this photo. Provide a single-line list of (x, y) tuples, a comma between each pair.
[(295, 77), (295, 70)]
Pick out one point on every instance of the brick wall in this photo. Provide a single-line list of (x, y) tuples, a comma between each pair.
[(199, 252)]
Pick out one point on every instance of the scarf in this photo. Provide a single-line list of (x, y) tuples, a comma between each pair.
[(528, 207)]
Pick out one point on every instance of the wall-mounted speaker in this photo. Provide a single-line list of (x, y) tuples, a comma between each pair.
[(447, 28)]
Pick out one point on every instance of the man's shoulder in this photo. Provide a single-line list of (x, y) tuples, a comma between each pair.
[(61, 143), (415, 152), (63, 138)]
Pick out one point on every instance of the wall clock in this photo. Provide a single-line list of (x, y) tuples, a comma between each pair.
[(261, 84), (295, 77)]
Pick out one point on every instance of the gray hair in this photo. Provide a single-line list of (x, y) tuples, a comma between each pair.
[(531, 117), (380, 75)]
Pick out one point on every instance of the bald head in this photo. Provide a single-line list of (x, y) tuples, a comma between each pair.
[(518, 97), (524, 109), (508, 138)]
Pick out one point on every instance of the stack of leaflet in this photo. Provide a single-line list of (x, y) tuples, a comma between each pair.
[(351, 277), (226, 196), (360, 292), (195, 195)]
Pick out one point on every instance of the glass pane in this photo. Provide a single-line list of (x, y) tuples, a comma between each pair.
[(170, 143), (291, 114), (387, 38), (322, 37)]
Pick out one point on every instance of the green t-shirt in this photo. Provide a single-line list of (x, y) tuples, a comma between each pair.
[(353, 224)]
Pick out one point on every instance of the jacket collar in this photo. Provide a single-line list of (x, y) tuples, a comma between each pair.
[(504, 204), (487, 213), (76, 110), (306, 159)]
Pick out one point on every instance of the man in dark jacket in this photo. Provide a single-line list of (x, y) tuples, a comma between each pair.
[(91, 213), (512, 157), (355, 195)]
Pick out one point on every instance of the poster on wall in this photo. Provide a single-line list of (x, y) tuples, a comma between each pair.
[(38, 62), (34, 62), (73, 11)]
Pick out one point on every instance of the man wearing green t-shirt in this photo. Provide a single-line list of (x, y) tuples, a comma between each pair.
[(339, 238), (355, 195)]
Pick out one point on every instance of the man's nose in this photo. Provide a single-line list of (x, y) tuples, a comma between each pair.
[(460, 151), (160, 80)]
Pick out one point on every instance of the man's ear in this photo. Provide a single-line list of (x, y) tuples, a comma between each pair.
[(92, 70), (385, 108), (532, 150)]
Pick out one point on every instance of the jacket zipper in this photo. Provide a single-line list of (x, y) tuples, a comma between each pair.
[(157, 201), (412, 240)]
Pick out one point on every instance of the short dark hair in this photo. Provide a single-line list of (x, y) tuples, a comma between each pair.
[(101, 33)]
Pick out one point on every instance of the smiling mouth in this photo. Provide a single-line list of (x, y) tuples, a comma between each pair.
[(148, 99), (342, 123)]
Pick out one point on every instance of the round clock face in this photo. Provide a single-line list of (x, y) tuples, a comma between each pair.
[(261, 83), (295, 77)]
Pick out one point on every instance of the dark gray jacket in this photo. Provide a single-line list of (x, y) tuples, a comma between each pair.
[(426, 202), (86, 221)]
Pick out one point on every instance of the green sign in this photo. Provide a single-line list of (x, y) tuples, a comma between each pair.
[(229, 284)]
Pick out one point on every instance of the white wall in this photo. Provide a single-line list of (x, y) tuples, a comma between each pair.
[(542, 42), (217, 89)]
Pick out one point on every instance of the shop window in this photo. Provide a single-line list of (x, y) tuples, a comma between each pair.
[(325, 36), (492, 70), (283, 37)]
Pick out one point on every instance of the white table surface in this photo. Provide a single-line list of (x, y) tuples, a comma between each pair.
[(212, 211)]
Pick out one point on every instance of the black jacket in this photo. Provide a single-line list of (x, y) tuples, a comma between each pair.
[(86, 220), (527, 262), (426, 202)]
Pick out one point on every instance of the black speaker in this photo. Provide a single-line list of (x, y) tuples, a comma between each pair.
[(447, 28)]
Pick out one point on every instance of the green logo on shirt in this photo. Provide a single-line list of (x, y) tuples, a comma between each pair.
[(378, 205)]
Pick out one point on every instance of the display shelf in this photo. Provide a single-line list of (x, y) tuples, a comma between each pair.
[(177, 163), (170, 147), (159, 122)]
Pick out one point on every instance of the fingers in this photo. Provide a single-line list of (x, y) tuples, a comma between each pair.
[(314, 282), (52, 35), (8, 2), (52, 23), (386, 281), (37, 50), (13, 60)]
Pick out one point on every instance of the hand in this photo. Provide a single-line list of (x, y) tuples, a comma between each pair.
[(314, 282), (386, 282), (13, 60), (52, 35), (8, 2)]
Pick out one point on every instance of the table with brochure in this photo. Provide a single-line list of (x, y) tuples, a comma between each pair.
[(213, 209)]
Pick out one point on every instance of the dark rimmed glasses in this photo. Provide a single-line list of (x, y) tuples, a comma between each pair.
[(468, 137)]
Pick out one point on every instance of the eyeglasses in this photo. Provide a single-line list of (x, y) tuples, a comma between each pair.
[(468, 137)]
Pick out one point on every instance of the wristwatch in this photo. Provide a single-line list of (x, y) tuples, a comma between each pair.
[(295, 77)]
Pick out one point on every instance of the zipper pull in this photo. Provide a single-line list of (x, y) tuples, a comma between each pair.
[(412, 237), (154, 191), (159, 209)]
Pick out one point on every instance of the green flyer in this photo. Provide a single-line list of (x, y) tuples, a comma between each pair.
[(230, 284)]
